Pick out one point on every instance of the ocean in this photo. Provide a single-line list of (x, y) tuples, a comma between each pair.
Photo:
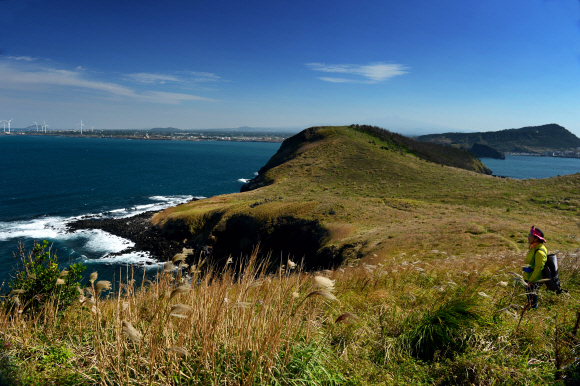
[(522, 167), (46, 182)]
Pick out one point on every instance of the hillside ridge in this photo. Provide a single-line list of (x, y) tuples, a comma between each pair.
[(530, 139)]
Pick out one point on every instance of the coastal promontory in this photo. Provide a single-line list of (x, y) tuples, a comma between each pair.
[(332, 194)]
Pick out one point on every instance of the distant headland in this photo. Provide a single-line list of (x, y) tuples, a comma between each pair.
[(550, 140)]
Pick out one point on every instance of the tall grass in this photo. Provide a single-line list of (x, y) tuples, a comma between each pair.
[(440, 321)]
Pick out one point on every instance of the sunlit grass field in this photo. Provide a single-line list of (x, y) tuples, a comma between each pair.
[(443, 321)]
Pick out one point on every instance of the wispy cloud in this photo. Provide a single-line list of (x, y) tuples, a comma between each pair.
[(24, 58), (371, 73), (175, 77), (32, 77)]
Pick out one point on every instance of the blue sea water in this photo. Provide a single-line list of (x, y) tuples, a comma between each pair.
[(522, 167), (46, 182)]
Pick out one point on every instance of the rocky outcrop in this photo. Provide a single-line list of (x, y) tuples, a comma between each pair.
[(138, 229)]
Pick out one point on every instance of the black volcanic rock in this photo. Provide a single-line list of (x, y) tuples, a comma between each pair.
[(137, 229)]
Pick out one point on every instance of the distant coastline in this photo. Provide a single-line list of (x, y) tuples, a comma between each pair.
[(241, 137), (553, 155)]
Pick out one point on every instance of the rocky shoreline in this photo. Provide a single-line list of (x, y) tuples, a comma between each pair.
[(138, 229)]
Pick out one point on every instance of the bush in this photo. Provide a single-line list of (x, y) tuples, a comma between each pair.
[(8, 373), (442, 330), (38, 281)]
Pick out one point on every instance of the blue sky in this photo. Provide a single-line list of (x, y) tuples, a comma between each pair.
[(410, 66)]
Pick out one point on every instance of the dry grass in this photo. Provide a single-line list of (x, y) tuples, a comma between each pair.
[(242, 326)]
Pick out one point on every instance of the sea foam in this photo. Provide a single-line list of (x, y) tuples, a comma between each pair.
[(96, 243)]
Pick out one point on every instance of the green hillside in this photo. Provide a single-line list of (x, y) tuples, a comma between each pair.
[(336, 193), (526, 139)]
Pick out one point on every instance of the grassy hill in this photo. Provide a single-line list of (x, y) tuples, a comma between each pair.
[(524, 140), (337, 193)]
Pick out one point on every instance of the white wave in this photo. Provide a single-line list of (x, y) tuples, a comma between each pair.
[(92, 242), (148, 206), (41, 228), (99, 241), (255, 173), (171, 198), (54, 227), (243, 180), (141, 258)]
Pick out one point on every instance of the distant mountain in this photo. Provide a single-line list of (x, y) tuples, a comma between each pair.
[(532, 139), (165, 130), (249, 129)]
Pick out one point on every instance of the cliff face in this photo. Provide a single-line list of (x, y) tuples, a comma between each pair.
[(526, 139), (290, 149)]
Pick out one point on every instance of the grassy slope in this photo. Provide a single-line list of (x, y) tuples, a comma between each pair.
[(387, 202)]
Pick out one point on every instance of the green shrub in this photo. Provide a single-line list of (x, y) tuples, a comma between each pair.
[(442, 330), (38, 281), (7, 367), (308, 364)]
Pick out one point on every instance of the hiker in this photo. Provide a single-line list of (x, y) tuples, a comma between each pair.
[(536, 259)]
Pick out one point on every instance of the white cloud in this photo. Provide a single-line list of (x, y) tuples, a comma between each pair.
[(33, 78), (176, 77), (146, 78), (25, 58), (338, 80), (373, 73)]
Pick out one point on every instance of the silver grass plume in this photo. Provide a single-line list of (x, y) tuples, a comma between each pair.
[(103, 285), (179, 290), (131, 332), (178, 257), (181, 308), (168, 267), (324, 282), (325, 294), (178, 350), (347, 316)]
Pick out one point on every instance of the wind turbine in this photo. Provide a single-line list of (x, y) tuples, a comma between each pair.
[(36, 127), (4, 123), (92, 127), (81, 125), (45, 126), (9, 125)]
